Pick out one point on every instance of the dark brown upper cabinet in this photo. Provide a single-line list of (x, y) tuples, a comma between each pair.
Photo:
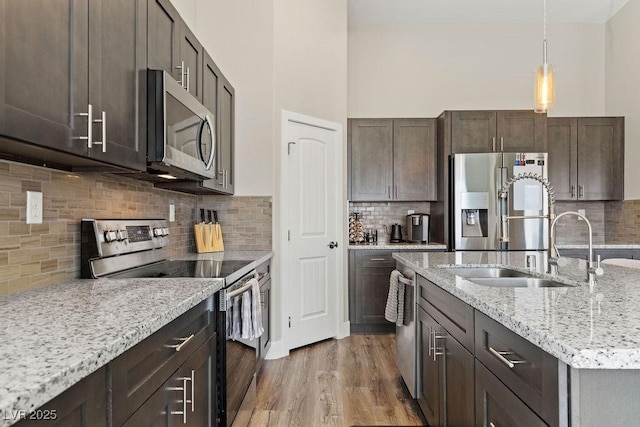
[(174, 48), (497, 131), (392, 159), (586, 157), (60, 61)]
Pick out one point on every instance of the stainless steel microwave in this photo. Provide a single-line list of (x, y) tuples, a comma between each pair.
[(181, 134)]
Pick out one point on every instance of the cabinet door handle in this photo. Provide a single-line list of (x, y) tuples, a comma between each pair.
[(193, 389), (437, 353), (430, 335), (501, 143), (89, 116), (180, 67), (580, 191), (494, 143), (389, 191), (183, 389), (396, 192), (573, 191), (500, 355), (188, 78), (103, 123)]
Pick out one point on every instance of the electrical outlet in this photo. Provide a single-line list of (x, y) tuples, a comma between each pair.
[(581, 212), (34, 207), (410, 212), (172, 212)]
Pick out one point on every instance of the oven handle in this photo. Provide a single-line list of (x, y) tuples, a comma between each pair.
[(239, 291)]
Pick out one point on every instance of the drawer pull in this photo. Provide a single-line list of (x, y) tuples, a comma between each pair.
[(492, 425), (377, 259), (500, 355), (178, 347)]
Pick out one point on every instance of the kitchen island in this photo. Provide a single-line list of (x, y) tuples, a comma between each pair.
[(594, 335), (54, 337)]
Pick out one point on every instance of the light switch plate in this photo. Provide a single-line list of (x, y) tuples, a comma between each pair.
[(581, 212), (172, 212), (34, 207)]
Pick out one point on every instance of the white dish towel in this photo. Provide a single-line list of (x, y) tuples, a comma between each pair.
[(394, 310), (244, 314)]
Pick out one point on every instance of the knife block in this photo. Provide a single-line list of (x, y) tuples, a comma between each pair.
[(208, 238)]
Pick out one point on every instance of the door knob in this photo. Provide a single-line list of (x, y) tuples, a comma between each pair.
[(333, 245)]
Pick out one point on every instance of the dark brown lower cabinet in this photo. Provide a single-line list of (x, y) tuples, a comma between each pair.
[(497, 406), (83, 405), (446, 394), (184, 399)]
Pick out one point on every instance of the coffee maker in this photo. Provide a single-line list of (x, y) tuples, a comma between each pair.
[(418, 228)]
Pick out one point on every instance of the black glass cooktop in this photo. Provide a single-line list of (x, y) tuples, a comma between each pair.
[(183, 268)]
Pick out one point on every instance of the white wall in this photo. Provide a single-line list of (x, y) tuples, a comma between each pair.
[(239, 37), (623, 86), (411, 71)]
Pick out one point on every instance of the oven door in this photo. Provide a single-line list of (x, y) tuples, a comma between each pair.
[(240, 357), (182, 135)]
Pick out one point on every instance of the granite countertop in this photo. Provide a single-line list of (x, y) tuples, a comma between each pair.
[(600, 246), (586, 330), (57, 335), (400, 246)]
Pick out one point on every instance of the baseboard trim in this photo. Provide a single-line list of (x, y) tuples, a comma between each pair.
[(277, 350)]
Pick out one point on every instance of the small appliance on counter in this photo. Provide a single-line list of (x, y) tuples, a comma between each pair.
[(395, 233), (418, 228)]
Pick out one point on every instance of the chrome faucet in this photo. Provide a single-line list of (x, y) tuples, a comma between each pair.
[(593, 268), (502, 195)]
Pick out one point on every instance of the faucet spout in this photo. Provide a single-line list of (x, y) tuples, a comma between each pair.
[(504, 218), (593, 268)]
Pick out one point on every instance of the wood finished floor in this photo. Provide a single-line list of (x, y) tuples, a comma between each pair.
[(348, 382)]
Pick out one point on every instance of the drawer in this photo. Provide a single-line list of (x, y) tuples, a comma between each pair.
[(530, 372), (453, 314), (366, 258), (498, 406), (137, 373)]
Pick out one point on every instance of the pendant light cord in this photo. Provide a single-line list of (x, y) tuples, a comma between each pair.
[(544, 32)]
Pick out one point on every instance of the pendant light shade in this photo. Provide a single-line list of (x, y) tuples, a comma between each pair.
[(545, 85), (545, 77)]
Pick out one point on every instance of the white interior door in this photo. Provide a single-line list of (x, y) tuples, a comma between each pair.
[(313, 277)]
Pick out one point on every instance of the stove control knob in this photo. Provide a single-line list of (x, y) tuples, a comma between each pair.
[(110, 236), (165, 231), (121, 235)]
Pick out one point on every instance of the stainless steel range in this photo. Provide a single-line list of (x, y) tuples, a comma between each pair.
[(134, 248)]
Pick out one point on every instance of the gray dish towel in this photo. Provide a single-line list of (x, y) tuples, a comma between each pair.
[(394, 310)]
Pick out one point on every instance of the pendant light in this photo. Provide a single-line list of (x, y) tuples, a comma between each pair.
[(545, 76)]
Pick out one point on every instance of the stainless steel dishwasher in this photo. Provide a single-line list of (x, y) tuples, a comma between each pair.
[(406, 339)]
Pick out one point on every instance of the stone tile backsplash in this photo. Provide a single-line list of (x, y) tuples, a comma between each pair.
[(378, 214), (571, 230), (623, 222), (36, 255)]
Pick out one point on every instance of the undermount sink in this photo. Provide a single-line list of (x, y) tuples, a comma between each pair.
[(517, 282), (481, 272), (503, 277)]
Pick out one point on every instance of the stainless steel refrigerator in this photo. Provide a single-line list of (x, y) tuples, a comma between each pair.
[(475, 211)]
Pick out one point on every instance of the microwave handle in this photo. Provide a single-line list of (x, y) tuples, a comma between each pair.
[(209, 162)]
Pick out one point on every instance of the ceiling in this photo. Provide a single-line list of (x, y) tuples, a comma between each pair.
[(407, 12)]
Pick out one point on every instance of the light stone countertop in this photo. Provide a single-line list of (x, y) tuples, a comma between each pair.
[(600, 246), (400, 247), (57, 335), (586, 330)]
